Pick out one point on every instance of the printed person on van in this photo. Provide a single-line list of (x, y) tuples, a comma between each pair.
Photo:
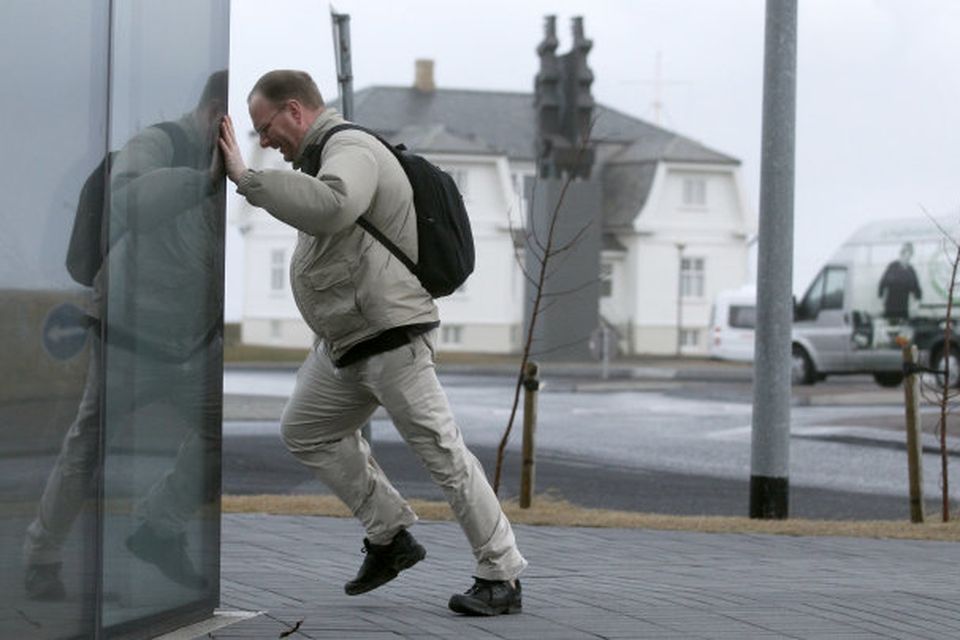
[(899, 281), (375, 327)]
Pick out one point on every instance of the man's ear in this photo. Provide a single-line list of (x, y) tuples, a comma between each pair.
[(296, 111)]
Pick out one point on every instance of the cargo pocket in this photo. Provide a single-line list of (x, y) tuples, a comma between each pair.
[(335, 301)]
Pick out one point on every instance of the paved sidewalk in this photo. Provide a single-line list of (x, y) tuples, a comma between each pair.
[(594, 583)]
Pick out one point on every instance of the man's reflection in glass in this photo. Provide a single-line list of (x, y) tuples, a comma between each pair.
[(156, 346)]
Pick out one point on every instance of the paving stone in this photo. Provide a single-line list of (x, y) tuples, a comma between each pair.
[(595, 583)]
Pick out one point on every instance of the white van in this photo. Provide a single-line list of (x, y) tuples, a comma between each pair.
[(732, 322), (888, 279)]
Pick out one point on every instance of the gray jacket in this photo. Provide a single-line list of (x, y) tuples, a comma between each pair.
[(347, 285)]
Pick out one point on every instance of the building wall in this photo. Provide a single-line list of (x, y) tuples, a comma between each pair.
[(671, 228), (485, 313), (290, 333)]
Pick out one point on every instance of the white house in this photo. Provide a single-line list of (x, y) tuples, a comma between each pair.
[(676, 223)]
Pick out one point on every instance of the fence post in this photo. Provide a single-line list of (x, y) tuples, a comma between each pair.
[(911, 391), (531, 385)]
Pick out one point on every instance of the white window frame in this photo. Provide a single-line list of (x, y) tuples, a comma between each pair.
[(694, 192), (692, 277), (278, 271), (451, 334), (606, 279), (689, 338)]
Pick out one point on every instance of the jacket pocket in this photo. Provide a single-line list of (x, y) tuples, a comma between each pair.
[(335, 301)]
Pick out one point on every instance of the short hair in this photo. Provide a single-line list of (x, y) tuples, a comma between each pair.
[(215, 90), (287, 84)]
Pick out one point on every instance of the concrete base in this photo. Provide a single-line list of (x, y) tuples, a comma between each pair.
[(201, 629)]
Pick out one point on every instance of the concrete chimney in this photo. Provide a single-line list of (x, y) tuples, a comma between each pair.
[(423, 80)]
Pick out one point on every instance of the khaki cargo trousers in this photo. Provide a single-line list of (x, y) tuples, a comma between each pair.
[(321, 428)]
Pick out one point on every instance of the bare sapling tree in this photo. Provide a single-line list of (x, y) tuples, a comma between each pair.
[(944, 393), (547, 252)]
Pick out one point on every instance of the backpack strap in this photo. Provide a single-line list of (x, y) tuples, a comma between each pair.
[(350, 125), (312, 164), (182, 147)]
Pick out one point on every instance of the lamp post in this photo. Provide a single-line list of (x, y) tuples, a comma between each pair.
[(770, 440)]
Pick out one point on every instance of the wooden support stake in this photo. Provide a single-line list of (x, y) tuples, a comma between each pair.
[(911, 390), (531, 385)]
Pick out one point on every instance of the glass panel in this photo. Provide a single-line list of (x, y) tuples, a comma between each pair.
[(53, 65), (743, 317), (810, 306), (833, 289), (163, 333)]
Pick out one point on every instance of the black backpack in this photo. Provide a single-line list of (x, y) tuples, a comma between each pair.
[(88, 240), (444, 239)]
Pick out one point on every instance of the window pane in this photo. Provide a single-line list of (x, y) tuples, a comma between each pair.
[(277, 269), (163, 339), (606, 280), (691, 277), (694, 191), (48, 528), (833, 289), (742, 317), (810, 306)]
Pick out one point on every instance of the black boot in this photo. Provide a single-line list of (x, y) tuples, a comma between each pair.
[(42, 582), (168, 554), (385, 561), (488, 598)]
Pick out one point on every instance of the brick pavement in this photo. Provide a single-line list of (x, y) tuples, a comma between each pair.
[(594, 583)]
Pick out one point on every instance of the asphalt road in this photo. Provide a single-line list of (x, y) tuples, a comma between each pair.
[(661, 446), (260, 464)]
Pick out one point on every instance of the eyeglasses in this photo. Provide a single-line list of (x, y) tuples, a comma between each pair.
[(262, 130)]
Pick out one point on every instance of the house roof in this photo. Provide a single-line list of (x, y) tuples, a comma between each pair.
[(440, 139), (503, 122)]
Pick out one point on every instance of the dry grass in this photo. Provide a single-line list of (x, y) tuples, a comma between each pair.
[(233, 353), (548, 510)]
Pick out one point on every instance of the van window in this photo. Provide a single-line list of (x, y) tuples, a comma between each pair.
[(810, 306), (742, 317), (833, 288), (826, 292)]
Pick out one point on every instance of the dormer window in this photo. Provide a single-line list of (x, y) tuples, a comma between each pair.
[(694, 192)]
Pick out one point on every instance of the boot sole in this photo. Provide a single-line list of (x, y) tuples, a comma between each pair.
[(402, 563), (473, 608)]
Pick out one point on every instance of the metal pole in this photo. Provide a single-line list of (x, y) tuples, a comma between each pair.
[(531, 384), (770, 446), (341, 54), (680, 247), (341, 50)]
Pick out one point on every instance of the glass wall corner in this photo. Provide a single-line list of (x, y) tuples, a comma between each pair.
[(111, 290)]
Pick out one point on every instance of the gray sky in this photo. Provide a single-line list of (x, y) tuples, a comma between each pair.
[(878, 90)]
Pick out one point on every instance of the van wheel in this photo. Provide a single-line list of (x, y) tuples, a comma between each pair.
[(802, 370), (939, 361), (888, 378)]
